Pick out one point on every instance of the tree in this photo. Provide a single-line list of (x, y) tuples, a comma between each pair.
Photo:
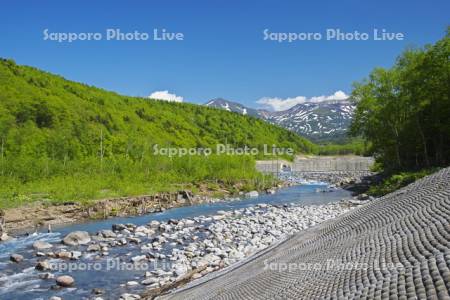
[(404, 112)]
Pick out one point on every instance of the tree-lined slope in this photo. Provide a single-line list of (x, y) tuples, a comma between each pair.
[(80, 139)]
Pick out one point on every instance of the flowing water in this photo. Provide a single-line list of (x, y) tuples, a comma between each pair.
[(21, 281)]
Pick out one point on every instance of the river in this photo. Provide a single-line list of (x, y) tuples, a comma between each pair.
[(22, 281)]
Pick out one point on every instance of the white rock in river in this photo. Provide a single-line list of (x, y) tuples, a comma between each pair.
[(180, 270), (41, 245), (252, 194), (77, 238), (65, 281), (76, 255), (17, 258), (138, 258), (154, 224), (189, 222), (150, 281), (129, 297), (43, 266), (93, 248), (107, 233), (46, 276), (4, 237)]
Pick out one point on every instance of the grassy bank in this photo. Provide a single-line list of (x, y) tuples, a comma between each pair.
[(349, 146), (396, 181), (92, 179)]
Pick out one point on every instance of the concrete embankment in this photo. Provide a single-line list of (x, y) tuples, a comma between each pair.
[(317, 164), (395, 247)]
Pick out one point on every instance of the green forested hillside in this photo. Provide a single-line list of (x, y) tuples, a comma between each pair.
[(65, 140)]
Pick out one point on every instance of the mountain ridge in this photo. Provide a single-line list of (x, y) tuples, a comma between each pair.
[(323, 121), (32, 97)]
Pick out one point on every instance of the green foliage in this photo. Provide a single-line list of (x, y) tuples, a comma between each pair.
[(91, 179), (354, 146), (397, 181), (404, 112), (62, 140)]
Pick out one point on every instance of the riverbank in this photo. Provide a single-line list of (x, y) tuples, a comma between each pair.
[(161, 254), (40, 215), (118, 242), (236, 236)]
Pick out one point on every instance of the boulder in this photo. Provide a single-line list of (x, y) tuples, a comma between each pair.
[(154, 224), (153, 285), (17, 258), (107, 234), (64, 255), (180, 270), (129, 297), (98, 291), (363, 197), (41, 245), (65, 281), (43, 266), (132, 283), (189, 222), (76, 255), (138, 258), (150, 281), (77, 238), (93, 248), (134, 240), (252, 194), (118, 227), (4, 237), (270, 191), (46, 276), (173, 221)]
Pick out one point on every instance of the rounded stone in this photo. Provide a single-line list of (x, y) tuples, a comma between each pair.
[(65, 281)]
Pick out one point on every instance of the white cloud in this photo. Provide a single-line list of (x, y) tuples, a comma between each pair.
[(165, 95), (278, 104)]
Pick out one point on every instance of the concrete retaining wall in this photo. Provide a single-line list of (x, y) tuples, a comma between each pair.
[(332, 163), (317, 164)]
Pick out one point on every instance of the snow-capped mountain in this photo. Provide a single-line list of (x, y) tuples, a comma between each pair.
[(318, 121), (233, 107)]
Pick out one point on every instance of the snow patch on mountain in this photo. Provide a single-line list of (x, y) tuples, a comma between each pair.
[(319, 120)]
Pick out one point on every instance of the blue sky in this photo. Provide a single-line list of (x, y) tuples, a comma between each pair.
[(223, 53)]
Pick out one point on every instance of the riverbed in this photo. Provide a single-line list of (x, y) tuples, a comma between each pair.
[(152, 250)]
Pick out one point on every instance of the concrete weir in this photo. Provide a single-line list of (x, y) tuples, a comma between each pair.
[(394, 247), (348, 163)]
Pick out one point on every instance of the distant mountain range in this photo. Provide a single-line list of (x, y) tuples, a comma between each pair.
[(318, 121), (233, 107)]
